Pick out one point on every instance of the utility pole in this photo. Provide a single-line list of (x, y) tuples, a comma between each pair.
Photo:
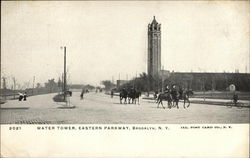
[(119, 82), (225, 75), (0, 76), (162, 84), (158, 82), (4, 87), (33, 85), (14, 86), (62, 83), (64, 75), (135, 79), (148, 86), (204, 97)]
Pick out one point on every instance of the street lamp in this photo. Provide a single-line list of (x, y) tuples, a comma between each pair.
[(162, 80), (64, 75)]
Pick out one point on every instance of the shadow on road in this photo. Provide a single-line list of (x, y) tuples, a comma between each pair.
[(14, 108), (66, 107), (121, 104)]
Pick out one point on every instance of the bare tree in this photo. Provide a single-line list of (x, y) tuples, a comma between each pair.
[(38, 85), (4, 86), (14, 85)]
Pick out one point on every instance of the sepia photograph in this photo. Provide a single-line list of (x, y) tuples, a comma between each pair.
[(114, 64), (95, 63)]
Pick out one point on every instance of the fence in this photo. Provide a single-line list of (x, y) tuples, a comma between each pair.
[(221, 95), (11, 95)]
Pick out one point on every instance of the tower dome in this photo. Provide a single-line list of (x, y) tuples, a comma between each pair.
[(154, 21), (154, 25)]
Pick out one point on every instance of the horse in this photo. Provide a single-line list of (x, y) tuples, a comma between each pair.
[(131, 95), (164, 96), (134, 95), (137, 95), (123, 95), (181, 96)]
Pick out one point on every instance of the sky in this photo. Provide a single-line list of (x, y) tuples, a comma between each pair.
[(106, 40)]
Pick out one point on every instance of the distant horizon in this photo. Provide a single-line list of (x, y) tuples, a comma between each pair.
[(124, 78), (115, 81)]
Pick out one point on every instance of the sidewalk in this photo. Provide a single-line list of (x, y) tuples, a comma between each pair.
[(218, 101), (245, 103), (224, 102)]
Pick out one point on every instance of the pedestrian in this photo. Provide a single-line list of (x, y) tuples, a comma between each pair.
[(235, 98), (67, 98), (156, 96), (82, 94), (24, 96), (20, 96), (181, 92), (167, 89), (112, 93)]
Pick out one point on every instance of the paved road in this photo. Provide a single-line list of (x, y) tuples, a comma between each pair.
[(98, 108)]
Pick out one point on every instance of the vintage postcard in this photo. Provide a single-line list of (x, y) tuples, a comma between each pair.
[(125, 79)]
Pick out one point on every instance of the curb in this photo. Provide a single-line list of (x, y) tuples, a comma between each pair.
[(205, 102)]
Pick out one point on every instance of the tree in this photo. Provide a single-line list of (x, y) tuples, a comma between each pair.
[(59, 82), (51, 85), (108, 84), (26, 85), (140, 83), (38, 85), (90, 87), (4, 83)]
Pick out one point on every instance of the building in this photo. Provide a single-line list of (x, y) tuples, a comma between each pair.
[(119, 83), (200, 81), (196, 81), (154, 49)]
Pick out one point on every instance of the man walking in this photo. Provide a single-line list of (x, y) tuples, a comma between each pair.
[(112, 93), (82, 93), (235, 98)]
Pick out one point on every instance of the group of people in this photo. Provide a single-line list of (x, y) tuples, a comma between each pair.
[(173, 90), (173, 95), (22, 96), (131, 94), (182, 93)]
